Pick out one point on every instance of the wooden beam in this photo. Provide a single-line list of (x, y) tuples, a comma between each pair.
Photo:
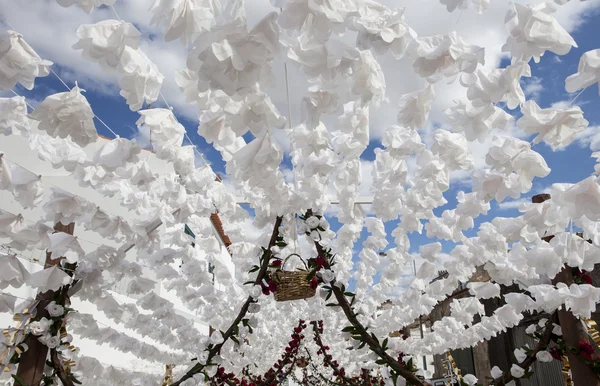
[(33, 361), (572, 328)]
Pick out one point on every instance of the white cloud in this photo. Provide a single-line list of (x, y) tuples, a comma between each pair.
[(514, 204), (590, 137), (533, 88)]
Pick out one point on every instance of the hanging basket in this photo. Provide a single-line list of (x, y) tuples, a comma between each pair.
[(293, 285)]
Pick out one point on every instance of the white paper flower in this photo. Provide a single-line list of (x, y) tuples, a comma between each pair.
[(216, 337), (451, 5), (415, 107), (105, 41), (86, 5), (140, 80), (26, 187), (544, 356), (445, 56), (13, 117), (581, 199), (49, 279), (498, 85), (55, 310), (588, 72), (496, 372), (67, 114), (49, 340), (517, 371), (40, 327), (164, 128), (557, 127), (453, 149), (184, 19), (327, 275), (520, 355), (470, 379), (477, 121), (557, 329), (117, 153), (533, 31), (484, 290), (18, 62), (312, 222), (13, 273), (381, 29)]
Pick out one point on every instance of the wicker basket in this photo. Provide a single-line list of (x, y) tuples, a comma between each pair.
[(292, 285)]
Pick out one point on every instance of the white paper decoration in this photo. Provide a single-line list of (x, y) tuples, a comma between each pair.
[(557, 127), (185, 19), (141, 80), (7, 303), (105, 41), (415, 107), (26, 187), (86, 5), (65, 207), (67, 114), (13, 116), (65, 245), (497, 85), (451, 5), (58, 151), (382, 29), (10, 223), (18, 62), (477, 121), (164, 128), (453, 149), (533, 31), (13, 273), (231, 59), (48, 279), (588, 72), (445, 56), (117, 153)]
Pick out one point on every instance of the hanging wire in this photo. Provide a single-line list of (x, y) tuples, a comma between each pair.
[(59, 78)]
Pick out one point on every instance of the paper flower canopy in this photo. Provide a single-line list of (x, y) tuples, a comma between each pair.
[(67, 114), (18, 62), (557, 127), (105, 41), (13, 116), (588, 72), (86, 5)]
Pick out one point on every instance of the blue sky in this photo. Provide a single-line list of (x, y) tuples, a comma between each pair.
[(546, 85)]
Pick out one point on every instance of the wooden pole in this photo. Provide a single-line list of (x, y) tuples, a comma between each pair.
[(31, 365), (573, 329)]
